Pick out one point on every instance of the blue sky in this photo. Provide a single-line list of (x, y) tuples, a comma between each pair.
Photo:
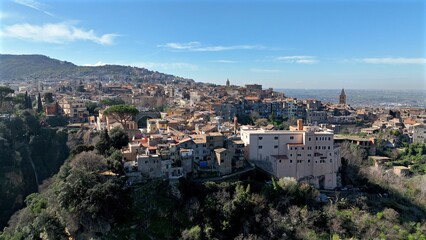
[(280, 44)]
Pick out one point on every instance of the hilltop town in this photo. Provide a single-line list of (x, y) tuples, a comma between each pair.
[(184, 128)]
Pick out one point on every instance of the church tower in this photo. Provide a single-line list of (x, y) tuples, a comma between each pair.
[(227, 82), (342, 97)]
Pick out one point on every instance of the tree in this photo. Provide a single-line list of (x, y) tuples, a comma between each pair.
[(121, 113), (119, 138), (4, 91), (104, 142), (48, 97), (39, 104)]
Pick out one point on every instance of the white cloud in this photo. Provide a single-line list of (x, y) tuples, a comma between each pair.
[(262, 70), (34, 5), (55, 33), (198, 47), (223, 61), (166, 65), (95, 65), (298, 59), (400, 60)]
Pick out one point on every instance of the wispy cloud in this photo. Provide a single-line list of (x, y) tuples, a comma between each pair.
[(99, 63), (166, 65), (4, 15), (34, 5), (399, 60), (262, 70), (55, 33), (223, 61), (198, 47), (298, 59)]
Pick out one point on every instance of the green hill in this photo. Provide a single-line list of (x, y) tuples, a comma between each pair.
[(29, 67)]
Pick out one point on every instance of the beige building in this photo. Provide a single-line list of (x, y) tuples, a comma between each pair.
[(75, 109), (303, 154)]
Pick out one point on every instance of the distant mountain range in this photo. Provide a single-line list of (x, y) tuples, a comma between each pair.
[(30, 67)]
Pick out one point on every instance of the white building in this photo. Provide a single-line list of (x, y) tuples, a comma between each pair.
[(419, 133), (303, 154)]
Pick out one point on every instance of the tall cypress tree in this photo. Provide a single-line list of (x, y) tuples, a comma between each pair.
[(39, 104), (104, 142), (26, 100), (29, 102)]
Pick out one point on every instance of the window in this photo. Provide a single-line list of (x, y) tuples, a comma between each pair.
[(299, 155), (291, 155), (276, 146), (309, 160), (291, 137), (291, 161), (309, 155), (331, 160), (280, 161), (221, 160), (309, 138), (260, 147), (329, 138), (303, 148), (291, 148), (275, 138), (260, 138), (328, 147), (316, 138)]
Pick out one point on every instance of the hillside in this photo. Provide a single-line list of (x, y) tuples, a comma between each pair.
[(29, 67)]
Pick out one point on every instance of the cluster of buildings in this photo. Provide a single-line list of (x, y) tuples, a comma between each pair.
[(197, 130)]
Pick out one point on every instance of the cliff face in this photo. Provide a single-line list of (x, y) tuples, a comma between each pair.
[(29, 154)]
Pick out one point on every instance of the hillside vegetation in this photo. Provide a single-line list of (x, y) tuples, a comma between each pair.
[(29, 154), (39, 67)]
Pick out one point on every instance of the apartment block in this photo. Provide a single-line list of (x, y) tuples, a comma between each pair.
[(305, 154)]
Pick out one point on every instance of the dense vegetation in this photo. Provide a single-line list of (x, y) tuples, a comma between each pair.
[(29, 154), (42, 67)]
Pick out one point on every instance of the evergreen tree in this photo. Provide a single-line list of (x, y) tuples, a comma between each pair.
[(104, 143), (39, 104), (29, 102), (26, 103)]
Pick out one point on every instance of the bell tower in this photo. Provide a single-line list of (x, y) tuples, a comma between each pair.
[(342, 97)]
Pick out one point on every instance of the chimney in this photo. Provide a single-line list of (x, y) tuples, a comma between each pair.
[(300, 124)]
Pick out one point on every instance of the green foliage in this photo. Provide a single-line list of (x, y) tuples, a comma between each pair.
[(104, 143), (118, 138), (92, 107), (4, 92), (22, 143), (82, 148), (80, 198), (36, 203), (48, 97), (57, 121), (121, 113), (193, 233), (39, 104), (114, 162)]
